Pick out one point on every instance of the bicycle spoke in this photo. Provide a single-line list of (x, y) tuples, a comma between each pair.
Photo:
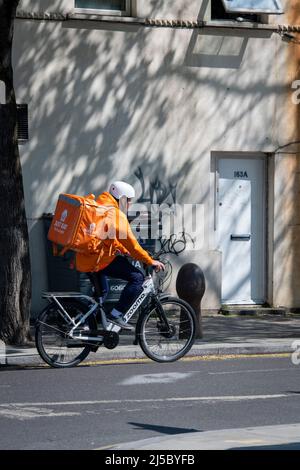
[(167, 341), (53, 336)]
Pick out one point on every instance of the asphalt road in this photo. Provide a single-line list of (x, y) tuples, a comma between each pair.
[(91, 407)]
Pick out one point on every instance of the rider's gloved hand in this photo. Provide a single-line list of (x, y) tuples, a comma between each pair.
[(158, 266)]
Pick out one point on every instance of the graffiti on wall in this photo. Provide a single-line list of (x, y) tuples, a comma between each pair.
[(157, 192)]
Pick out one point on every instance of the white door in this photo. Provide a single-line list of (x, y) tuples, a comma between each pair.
[(241, 221)]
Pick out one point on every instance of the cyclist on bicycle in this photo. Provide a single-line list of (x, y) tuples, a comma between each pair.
[(122, 242)]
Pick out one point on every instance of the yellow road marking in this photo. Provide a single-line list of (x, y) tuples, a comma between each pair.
[(186, 359), (217, 357), (107, 447), (245, 441)]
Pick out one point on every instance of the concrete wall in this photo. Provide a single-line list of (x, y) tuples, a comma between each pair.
[(113, 101), (287, 231), (286, 256)]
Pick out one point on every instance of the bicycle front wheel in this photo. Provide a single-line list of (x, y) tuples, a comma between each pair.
[(52, 335), (167, 331)]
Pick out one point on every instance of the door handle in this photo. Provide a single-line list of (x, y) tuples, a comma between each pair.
[(242, 237)]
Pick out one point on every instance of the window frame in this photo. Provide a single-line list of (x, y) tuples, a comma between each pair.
[(103, 12)]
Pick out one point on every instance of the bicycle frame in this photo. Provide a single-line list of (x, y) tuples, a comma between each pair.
[(148, 289)]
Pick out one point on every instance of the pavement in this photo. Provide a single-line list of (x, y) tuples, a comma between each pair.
[(279, 437), (223, 336)]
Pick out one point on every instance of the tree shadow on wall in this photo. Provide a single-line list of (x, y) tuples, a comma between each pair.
[(108, 100)]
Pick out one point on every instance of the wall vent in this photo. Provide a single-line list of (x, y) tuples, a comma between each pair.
[(22, 119)]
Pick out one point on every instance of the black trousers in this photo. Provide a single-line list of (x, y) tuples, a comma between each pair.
[(120, 268)]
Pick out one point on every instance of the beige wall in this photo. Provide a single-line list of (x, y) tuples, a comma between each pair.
[(105, 100), (287, 231), (287, 182)]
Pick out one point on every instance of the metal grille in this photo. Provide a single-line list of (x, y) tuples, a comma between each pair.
[(22, 120)]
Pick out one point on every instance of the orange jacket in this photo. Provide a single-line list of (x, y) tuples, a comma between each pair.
[(120, 239)]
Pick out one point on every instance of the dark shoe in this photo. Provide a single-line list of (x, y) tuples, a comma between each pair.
[(119, 321)]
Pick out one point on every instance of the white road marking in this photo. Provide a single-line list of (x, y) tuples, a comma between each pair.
[(23, 413), (168, 377), (246, 371), (153, 400), (26, 411)]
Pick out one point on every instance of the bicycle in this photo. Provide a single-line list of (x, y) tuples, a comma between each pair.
[(67, 331)]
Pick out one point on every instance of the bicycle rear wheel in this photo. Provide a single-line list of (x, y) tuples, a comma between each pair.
[(52, 338), (167, 331)]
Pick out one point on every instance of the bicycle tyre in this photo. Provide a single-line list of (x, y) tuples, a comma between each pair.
[(167, 346), (60, 355)]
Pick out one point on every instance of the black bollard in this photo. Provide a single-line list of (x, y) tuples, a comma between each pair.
[(190, 286)]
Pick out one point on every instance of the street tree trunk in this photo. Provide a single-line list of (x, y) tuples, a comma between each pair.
[(15, 278)]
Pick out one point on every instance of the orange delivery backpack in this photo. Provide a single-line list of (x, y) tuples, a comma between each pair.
[(75, 223)]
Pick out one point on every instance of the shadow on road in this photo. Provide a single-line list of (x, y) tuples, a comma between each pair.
[(163, 429)]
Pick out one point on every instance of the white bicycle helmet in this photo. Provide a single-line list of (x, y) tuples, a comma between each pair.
[(120, 188)]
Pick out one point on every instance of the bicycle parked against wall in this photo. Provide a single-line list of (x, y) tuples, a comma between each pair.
[(67, 330)]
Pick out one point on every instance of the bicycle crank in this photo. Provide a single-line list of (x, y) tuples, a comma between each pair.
[(111, 339)]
